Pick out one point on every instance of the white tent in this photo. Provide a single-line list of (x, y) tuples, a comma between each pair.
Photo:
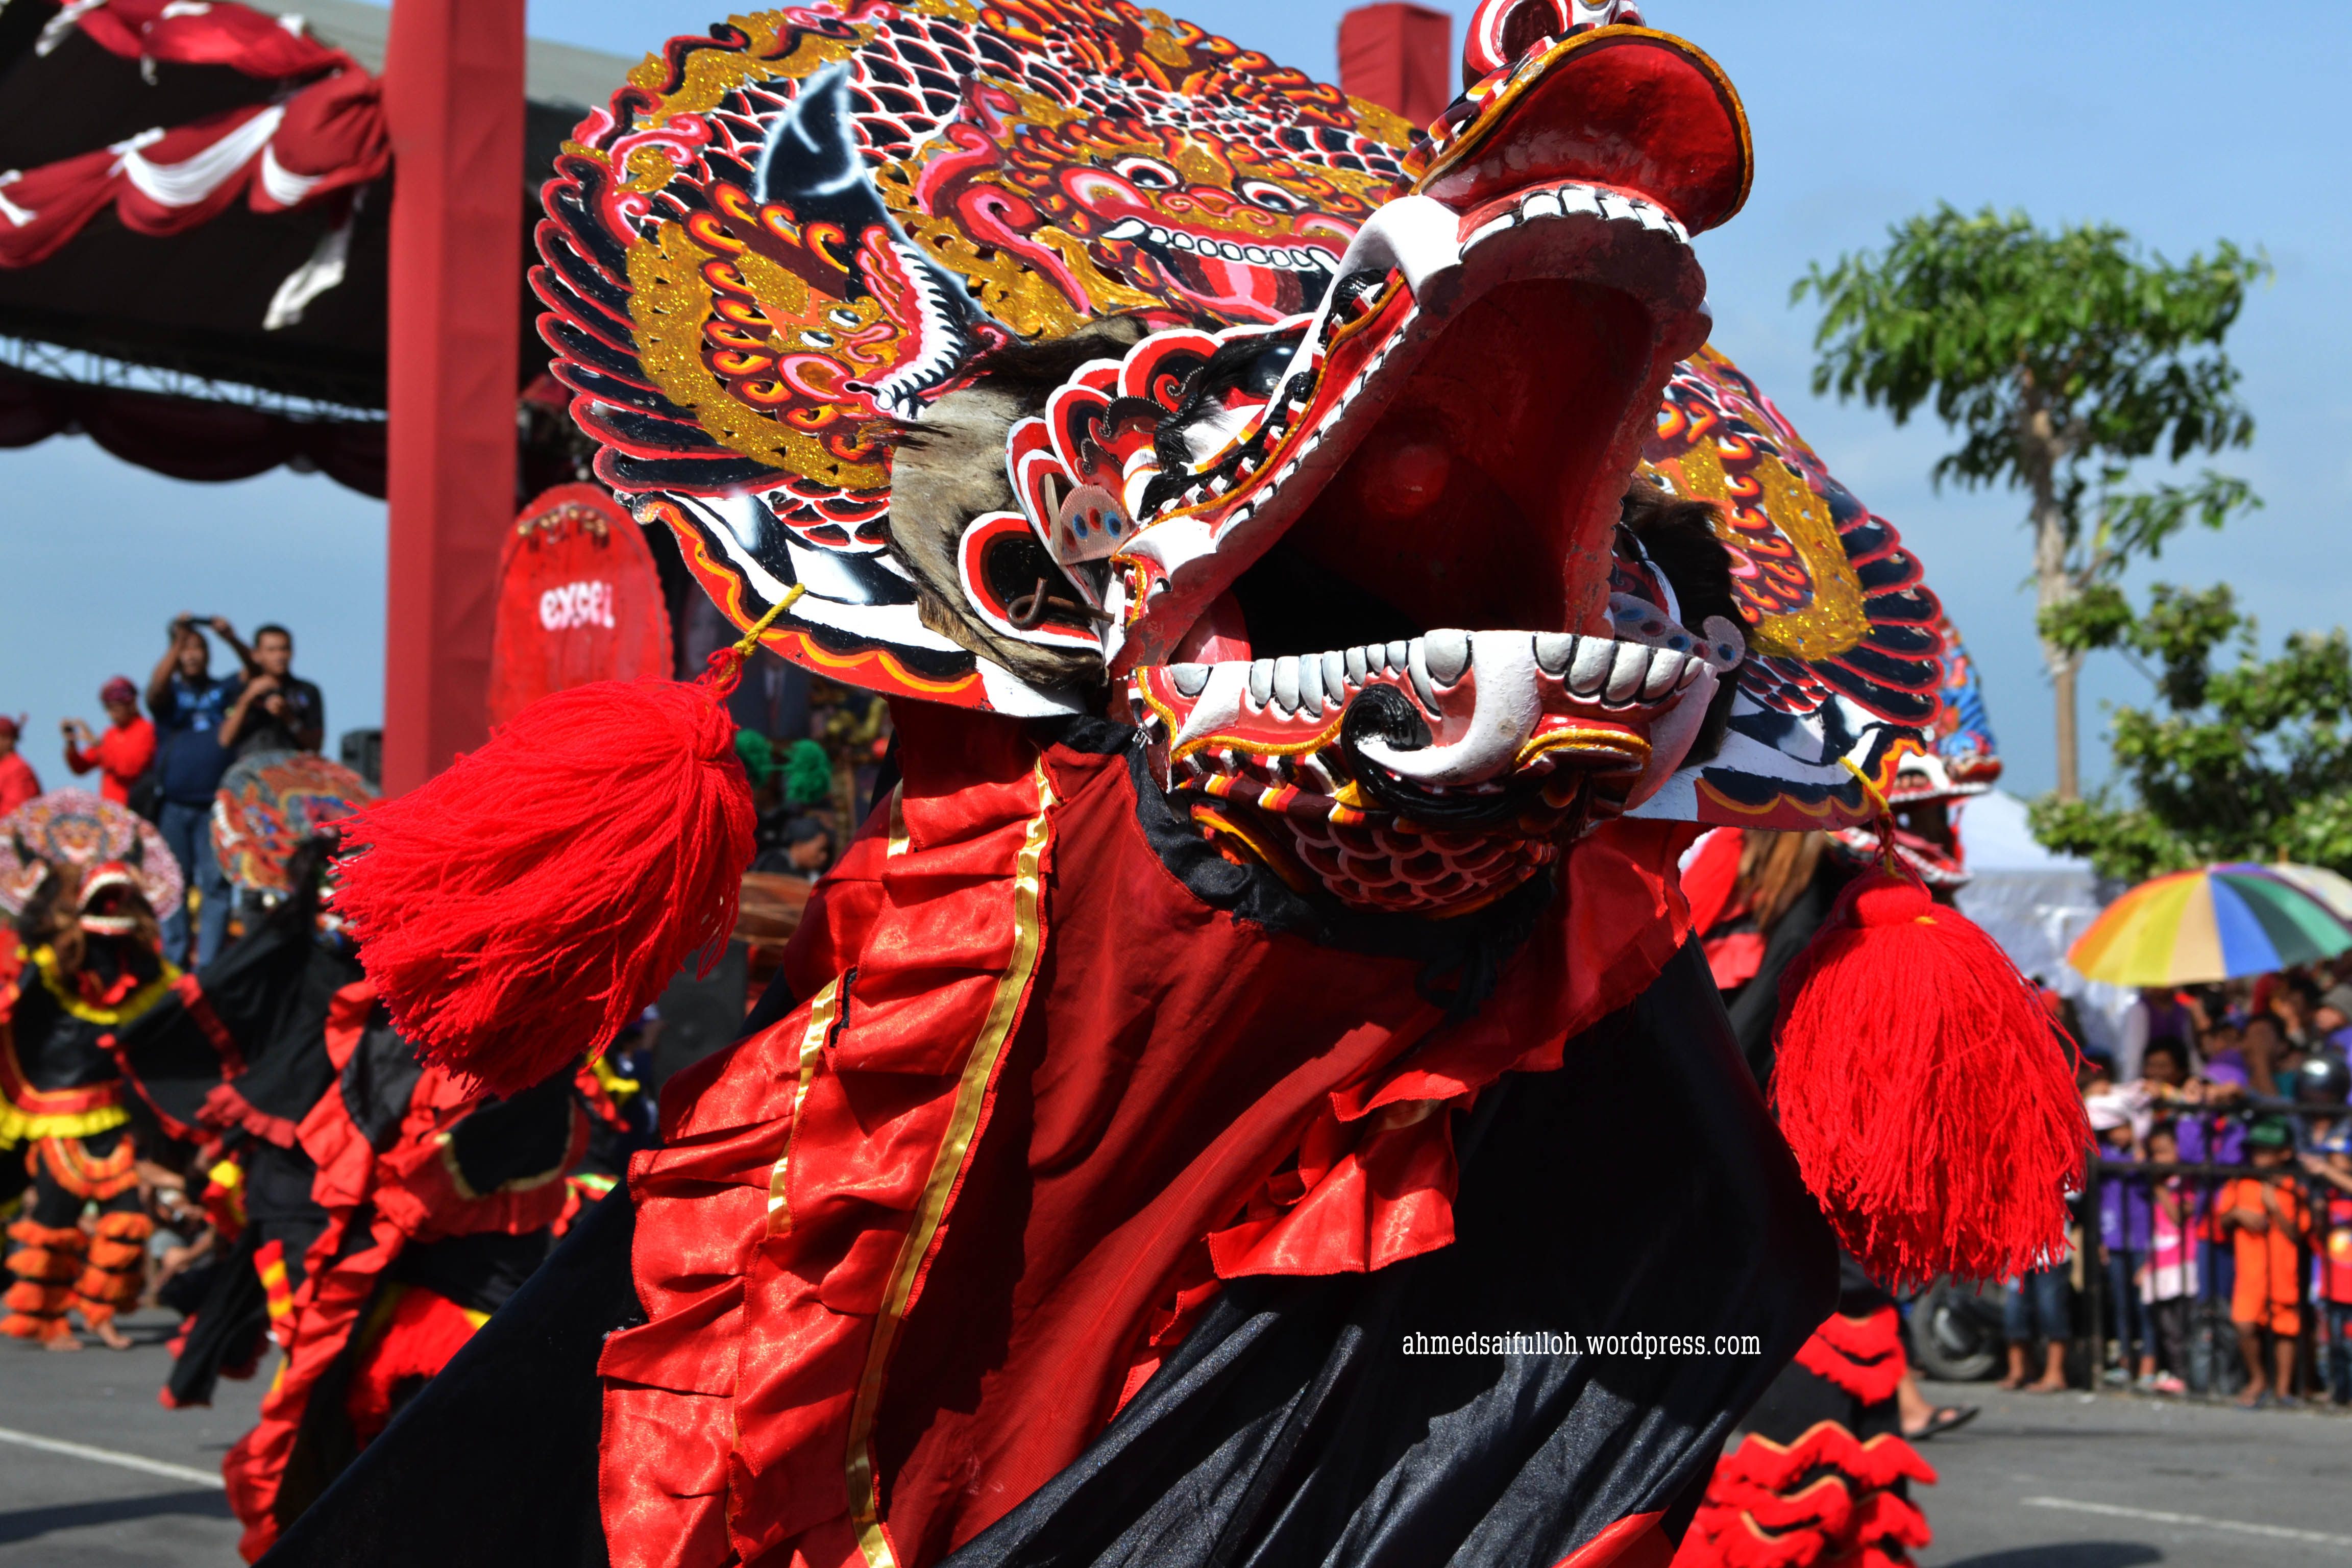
[(2035, 903)]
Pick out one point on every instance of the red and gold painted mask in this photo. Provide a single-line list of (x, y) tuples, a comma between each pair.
[(1330, 509)]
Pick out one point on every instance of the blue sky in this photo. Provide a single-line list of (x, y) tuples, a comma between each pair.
[(2178, 125)]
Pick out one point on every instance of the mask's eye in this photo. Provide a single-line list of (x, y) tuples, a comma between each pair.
[(818, 340), (1501, 31), (1272, 198), (1148, 173), (842, 316), (1265, 377)]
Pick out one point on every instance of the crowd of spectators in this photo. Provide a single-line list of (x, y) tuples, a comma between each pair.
[(167, 764), (2221, 1259)]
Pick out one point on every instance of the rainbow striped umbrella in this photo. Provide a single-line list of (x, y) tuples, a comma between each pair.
[(2196, 927), (2329, 888)]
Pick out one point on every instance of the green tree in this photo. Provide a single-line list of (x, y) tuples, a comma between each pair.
[(2248, 763), (2060, 360)]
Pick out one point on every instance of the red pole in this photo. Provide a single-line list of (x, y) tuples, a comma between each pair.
[(453, 94), (1400, 56)]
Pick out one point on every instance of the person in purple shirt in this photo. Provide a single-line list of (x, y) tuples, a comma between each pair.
[(2208, 1130), (2225, 1133), (2125, 1218)]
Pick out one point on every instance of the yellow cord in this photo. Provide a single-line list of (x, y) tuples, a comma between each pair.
[(750, 644), (1868, 788), (1885, 820)]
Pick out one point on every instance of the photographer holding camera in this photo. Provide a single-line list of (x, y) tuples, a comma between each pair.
[(278, 710), (121, 756)]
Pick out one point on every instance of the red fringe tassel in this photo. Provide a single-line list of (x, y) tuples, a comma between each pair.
[(522, 906), (1929, 1099)]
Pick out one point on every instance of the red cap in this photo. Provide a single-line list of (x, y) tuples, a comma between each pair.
[(118, 689)]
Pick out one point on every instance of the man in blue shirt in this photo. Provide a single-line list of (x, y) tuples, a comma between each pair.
[(188, 705)]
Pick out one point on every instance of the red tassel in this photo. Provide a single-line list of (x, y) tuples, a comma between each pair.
[(519, 910), (1929, 1099)]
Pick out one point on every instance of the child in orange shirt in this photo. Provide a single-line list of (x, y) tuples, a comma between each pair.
[(2267, 1217)]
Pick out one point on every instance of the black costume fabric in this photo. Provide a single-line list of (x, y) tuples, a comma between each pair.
[(1296, 1423), (238, 1055), (54, 1049), (1755, 1007), (438, 1206), (231, 1320), (253, 1019), (494, 1462)]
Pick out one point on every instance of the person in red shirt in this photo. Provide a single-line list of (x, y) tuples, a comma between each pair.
[(18, 782), (123, 752)]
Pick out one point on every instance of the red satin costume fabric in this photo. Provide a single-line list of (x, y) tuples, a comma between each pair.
[(1037, 1100)]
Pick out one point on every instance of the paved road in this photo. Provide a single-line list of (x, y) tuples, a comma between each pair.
[(2116, 1464), (59, 1510), (2249, 1489)]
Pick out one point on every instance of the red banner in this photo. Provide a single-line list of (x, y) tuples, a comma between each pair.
[(309, 142), (579, 600), (219, 34)]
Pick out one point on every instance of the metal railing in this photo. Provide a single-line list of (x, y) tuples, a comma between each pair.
[(87, 367)]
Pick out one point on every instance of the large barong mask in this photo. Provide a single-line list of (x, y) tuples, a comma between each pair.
[(1070, 358)]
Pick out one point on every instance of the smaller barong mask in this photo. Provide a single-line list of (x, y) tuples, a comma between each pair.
[(1069, 362)]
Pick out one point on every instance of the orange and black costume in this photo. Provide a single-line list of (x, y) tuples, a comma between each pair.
[(64, 1126)]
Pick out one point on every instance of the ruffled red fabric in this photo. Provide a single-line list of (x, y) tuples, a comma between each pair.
[(1862, 1355), (225, 1108), (425, 1329), (1710, 874), (1374, 1181), (1823, 1501), (1185, 1095), (376, 1204), (727, 1415)]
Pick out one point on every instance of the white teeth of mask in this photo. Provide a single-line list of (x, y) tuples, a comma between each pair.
[(1625, 675), (1286, 683), (1447, 656), (1591, 667), (1665, 666), (1310, 686), (1417, 667)]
